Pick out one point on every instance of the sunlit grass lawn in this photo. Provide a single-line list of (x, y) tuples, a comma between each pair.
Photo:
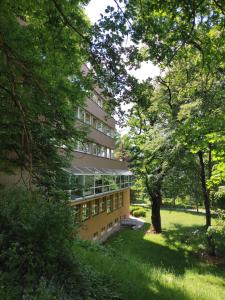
[(146, 266)]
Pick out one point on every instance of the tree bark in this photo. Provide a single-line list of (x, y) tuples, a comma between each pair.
[(204, 189), (156, 217)]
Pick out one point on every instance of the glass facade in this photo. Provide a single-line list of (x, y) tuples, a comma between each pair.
[(87, 185)]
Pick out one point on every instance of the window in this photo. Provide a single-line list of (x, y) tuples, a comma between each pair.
[(87, 118), (95, 123), (85, 211), (102, 204), (94, 149), (77, 186), (87, 148), (109, 204), (98, 184), (79, 146), (108, 153), (99, 125), (112, 154), (122, 181), (106, 182), (76, 213), (81, 115), (102, 151), (89, 185), (116, 222), (118, 181), (95, 207), (120, 200)]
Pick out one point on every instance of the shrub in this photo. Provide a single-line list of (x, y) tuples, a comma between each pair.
[(136, 207), (216, 234), (140, 212), (133, 208), (36, 240), (220, 199)]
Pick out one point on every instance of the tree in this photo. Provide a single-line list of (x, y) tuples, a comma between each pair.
[(151, 148), (42, 51)]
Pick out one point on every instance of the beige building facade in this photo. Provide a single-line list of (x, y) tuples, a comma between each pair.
[(101, 194)]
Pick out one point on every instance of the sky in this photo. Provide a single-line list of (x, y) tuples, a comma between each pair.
[(93, 10)]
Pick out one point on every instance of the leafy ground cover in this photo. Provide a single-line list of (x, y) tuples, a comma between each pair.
[(147, 266)]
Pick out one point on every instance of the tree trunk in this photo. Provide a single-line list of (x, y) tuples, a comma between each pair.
[(156, 218), (204, 190)]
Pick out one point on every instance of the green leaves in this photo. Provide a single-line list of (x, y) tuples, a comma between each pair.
[(41, 50)]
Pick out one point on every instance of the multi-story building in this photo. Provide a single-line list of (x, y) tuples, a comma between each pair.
[(101, 193), (100, 184)]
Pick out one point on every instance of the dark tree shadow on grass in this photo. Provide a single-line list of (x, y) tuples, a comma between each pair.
[(172, 256)]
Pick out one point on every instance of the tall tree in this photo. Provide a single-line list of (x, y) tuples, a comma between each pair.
[(42, 50), (174, 34)]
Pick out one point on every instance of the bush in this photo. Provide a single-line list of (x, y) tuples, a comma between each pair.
[(133, 208), (36, 240), (220, 199), (140, 212), (216, 234)]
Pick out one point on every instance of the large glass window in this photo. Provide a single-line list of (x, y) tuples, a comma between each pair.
[(118, 181), (89, 185), (98, 184), (106, 183), (77, 186), (122, 181)]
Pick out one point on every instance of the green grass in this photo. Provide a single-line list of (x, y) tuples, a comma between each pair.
[(145, 266)]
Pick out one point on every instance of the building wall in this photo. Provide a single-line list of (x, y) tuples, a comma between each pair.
[(95, 223), (87, 160), (97, 111)]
